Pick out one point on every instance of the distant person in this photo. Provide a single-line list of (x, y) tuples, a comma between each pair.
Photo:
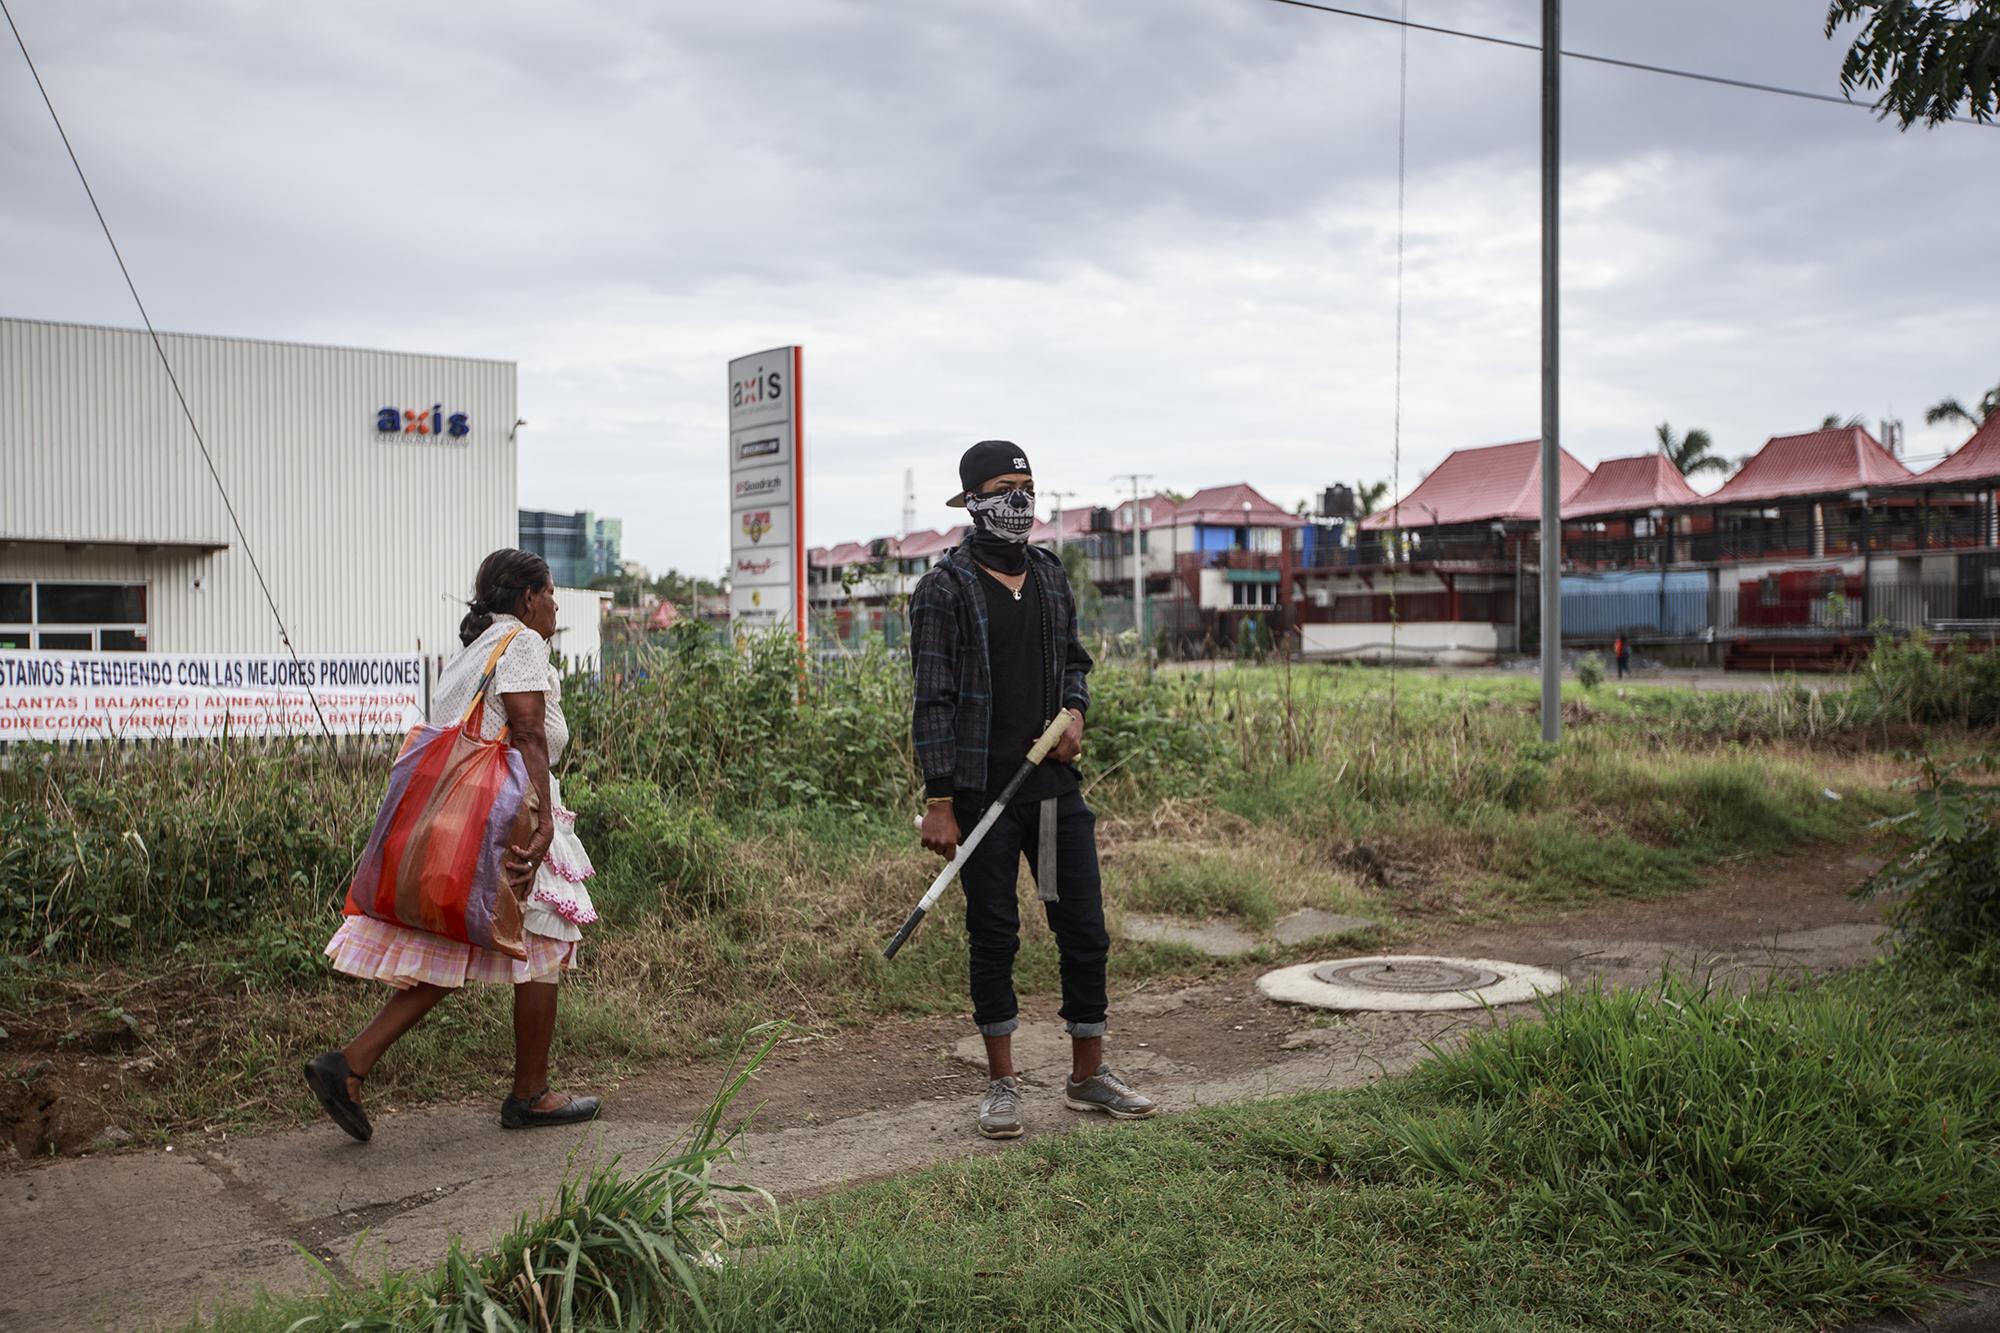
[(995, 653), (513, 591), (1622, 651)]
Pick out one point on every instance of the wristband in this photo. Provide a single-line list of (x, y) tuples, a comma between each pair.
[(939, 800)]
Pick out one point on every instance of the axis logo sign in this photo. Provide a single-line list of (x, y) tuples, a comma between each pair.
[(763, 385), (430, 420)]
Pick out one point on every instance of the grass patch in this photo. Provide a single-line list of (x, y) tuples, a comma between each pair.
[(751, 872), (1676, 1159), (610, 1252), (1195, 882)]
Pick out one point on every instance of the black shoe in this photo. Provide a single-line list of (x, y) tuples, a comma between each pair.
[(327, 1075), (520, 1112)]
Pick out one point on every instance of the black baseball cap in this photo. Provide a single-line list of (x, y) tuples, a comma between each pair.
[(985, 461)]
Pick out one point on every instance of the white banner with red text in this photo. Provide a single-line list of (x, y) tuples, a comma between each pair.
[(58, 696)]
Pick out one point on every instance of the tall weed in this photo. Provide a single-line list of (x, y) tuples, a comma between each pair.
[(610, 1252)]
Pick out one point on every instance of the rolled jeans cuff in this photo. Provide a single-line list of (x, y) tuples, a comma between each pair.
[(1086, 1029), (1003, 1028)]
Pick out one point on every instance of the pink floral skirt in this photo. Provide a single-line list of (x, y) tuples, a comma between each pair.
[(400, 957)]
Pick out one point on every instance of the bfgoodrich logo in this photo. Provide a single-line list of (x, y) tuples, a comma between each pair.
[(759, 486)]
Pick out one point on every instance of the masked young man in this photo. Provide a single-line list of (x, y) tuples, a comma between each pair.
[(994, 649)]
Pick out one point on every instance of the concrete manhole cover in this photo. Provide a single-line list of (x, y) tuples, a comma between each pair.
[(1407, 974), (1408, 981)]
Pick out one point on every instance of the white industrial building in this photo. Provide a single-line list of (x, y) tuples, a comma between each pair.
[(368, 484)]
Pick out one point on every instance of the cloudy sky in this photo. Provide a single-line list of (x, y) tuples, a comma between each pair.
[(1152, 235)]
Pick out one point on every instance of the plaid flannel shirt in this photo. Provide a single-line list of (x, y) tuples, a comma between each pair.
[(952, 722)]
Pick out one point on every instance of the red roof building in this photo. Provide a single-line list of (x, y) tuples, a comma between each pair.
[(1497, 482), (1075, 527), (1240, 505), (1155, 511), (1820, 462), (920, 544), (1975, 463), (829, 557), (1631, 486)]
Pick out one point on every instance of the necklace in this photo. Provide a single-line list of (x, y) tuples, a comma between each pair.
[(1015, 589)]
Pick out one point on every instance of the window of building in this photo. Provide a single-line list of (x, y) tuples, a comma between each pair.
[(77, 617), (1253, 594)]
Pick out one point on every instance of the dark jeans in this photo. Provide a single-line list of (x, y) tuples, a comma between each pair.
[(993, 921)]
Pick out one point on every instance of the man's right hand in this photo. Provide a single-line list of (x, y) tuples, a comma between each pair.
[(940, 831)]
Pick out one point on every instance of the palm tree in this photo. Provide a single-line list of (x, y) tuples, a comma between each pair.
[(1691, 453), (1368, 495), (1834, 421), (1950, 409)]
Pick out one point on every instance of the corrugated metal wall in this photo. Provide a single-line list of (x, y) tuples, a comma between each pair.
[(364, 537)]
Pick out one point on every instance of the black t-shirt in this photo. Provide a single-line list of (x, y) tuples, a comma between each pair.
[(1025, 690)]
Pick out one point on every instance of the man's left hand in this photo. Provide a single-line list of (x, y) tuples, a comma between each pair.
[(1071, 744)]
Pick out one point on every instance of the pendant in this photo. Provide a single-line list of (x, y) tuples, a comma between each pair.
[(1017, 594)]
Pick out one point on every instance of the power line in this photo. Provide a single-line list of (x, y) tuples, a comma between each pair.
[(1749, 85), (284, 635)]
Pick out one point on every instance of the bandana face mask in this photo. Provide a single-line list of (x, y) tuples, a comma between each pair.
[(1007, 516)]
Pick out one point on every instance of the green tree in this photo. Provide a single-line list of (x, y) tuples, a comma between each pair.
[(1691, 453), (625, 589), (1950, 409), (681, 589), (1926, 56), (1369, 495), (1076, 564)]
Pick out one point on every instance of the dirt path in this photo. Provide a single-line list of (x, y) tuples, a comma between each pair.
[(147, 1238)]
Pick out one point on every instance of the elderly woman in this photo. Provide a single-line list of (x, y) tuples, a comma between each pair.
[(513, 594)]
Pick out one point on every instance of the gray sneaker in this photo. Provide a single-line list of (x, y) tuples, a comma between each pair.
[(1105, 1091), (1000, 1109)]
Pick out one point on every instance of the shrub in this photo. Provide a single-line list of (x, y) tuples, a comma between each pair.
[(158, 846), (1590, 671), (1920, 679), (653, 855), (1947, 876), (745, 728)]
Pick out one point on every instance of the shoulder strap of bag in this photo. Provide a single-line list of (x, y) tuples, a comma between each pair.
[(486, 683)]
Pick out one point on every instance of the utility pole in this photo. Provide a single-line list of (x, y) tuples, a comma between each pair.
[(909, 501), (1139, 567), (1551, 346)]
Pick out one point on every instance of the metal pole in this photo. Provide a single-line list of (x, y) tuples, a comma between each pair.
[(1139, 570), (1551, 448), (1139, 576)]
